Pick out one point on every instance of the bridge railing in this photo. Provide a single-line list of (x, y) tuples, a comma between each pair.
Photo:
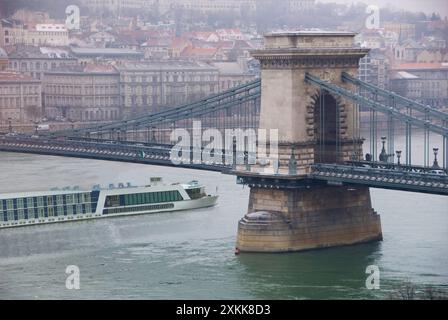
[(433, 183)]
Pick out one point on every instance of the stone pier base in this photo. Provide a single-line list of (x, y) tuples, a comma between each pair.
[(281, 220)]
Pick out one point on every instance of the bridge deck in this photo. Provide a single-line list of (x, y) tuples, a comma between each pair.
[(377, 175)]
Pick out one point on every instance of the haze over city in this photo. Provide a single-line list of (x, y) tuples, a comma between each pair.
[(218, 132)]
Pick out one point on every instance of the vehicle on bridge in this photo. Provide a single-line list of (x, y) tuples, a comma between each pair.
[(73, 204)]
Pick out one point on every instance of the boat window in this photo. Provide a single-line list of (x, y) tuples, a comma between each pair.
[(1, 205), (69, 199), (88, 208), (50, 211), (69, 210), (40, 201), (10, 215), (60, 210), (9, 204), (49, 200), (41, 212), (20, 203), (21, 214), (194, 193), (29, 202), (139, 209), (79, 209), (112, 201), (59, 200), (31, 213)]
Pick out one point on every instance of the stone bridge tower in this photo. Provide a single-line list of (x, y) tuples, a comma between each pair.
[(287, 211)]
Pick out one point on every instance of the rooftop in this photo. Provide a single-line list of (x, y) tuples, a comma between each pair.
[(199, 52), (85, 69), (51, 27), (15, 77), (403, 75), (104, 52), (422, 66), (229, 67), (34, 52), (309, 39), (322, 33), (164, 65)]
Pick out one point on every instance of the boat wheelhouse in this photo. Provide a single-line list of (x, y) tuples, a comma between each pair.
[(22, 209)]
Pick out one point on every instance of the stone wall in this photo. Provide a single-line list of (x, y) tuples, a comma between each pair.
[(309, 218)]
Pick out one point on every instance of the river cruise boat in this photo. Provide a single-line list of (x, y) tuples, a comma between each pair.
[(73, 204)]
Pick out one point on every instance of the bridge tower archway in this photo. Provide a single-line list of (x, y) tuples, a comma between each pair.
[(326, 128)]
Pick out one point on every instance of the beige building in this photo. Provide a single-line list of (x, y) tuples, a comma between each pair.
[(11, 32), (20, 98), (82, 93), (50, 34), (3, 60), (35, 61), (432, 56), (424, 82), (232, 74), (146, 87)]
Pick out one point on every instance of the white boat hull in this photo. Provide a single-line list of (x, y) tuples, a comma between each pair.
[(204, 202)]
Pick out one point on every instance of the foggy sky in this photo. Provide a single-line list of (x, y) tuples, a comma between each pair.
[(426, 6)]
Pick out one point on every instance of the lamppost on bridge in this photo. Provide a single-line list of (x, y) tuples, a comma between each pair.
[(435, 164), (10, 125), (383, 154), (72, 123), (36, 126), (398, 152)]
